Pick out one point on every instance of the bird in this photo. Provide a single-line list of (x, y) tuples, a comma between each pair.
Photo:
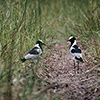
[(34, 53), (75, 51)]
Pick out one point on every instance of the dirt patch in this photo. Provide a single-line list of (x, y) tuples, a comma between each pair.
[(59, 68)]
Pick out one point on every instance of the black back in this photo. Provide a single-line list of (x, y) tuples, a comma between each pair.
[(34, 51)]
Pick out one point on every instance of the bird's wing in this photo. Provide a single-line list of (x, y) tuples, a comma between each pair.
[(34, 51), (76, 52), (76, 49)]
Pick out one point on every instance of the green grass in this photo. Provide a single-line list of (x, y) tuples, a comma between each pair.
[(22, 23)]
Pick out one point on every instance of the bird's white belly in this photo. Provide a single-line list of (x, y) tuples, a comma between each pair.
[(31, 56)]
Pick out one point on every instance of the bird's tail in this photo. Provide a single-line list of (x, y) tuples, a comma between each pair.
[(23, 60), (81, 59)]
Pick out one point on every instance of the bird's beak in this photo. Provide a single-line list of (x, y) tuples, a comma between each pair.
[(44, 44), (67, 40)]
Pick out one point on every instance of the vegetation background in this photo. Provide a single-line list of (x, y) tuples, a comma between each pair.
[(23, 22)]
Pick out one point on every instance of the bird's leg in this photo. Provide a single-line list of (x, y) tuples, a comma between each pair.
[(78, 66), (36, 65), (74, 63), (37, 61), (32, 66)]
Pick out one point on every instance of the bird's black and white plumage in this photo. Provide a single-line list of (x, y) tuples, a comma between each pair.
[(75, 51), (34, 53)]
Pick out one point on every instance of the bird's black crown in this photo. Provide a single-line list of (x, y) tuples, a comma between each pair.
[(40, 42), (71, 39)]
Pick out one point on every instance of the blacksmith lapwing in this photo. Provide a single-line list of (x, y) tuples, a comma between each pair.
[(75, 51), (34, 53)]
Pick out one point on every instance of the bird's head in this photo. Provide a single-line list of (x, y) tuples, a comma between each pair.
[(40, 42), (71, 39)]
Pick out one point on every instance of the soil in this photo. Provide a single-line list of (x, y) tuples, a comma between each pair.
[(59, 68)]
